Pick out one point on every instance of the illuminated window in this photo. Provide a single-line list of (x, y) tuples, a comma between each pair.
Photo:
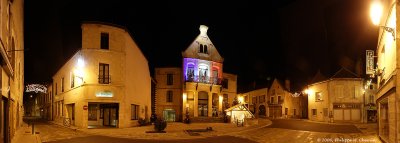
[(318, 96), (134, 112), (169, 96), (104, 41), (72, 80), (170, 79)]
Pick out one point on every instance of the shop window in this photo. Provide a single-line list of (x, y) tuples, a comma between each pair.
[(92, 112), (134, 112)]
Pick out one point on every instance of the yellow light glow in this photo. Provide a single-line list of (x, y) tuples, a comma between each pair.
[(220, 98), (241, 99), (81, 63), (308, 91), (376, 11), (79, 73), (184, 96)]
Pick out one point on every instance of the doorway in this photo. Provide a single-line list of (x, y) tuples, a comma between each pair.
[(203, 104), (169, 115), (110, 114)]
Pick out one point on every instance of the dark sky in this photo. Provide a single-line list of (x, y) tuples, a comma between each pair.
[(259, 41)]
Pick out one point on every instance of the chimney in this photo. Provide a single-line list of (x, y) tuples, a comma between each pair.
[(287, 84), (203, 30)]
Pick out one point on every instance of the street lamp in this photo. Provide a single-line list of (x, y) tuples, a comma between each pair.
[(376, 11)]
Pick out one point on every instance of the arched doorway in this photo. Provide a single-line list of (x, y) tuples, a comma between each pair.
[(203, 104), (261, 110)]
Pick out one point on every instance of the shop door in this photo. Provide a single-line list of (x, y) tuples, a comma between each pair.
[(110, 116)]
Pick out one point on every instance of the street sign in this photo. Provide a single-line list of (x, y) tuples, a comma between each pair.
[(85, 107), (369, 62)]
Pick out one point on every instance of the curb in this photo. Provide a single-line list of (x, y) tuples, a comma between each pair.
[(246, 130)]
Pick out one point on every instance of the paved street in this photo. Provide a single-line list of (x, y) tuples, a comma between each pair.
[(312, 126), (281, 131)]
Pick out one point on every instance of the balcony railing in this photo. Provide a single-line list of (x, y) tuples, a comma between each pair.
[(204, 79), (104, 79), (274, 102)]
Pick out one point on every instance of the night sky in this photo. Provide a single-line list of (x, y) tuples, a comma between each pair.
[(290, 39)]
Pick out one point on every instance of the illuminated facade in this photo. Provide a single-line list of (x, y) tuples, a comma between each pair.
[(281, 102), (106, 83), (337, 99), (12, 67), (383, 14), (200, 88)]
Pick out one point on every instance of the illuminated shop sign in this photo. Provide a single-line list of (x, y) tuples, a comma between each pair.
[(104, 94)]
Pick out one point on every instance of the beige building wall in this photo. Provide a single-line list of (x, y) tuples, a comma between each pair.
[(257, 101), (231, 91), (162, 88), (287, 107), (12, 69), (341, 92), (387, 97), (77, 86)]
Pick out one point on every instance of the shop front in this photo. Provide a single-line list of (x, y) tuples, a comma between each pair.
[(103, 114)]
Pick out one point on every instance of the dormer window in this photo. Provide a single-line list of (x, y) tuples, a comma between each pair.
[(203, 49)]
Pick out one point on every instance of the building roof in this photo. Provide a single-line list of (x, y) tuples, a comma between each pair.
[(344, 73), (193, 50), (318, 77)]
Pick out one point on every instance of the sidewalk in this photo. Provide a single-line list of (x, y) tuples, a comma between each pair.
[(175, 130), (24, 135)]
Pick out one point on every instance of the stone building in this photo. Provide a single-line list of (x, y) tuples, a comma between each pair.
[(12, 67), (106, 83), (336, 99), (281, 102), (199, 88), (257, 101), (386, 69)]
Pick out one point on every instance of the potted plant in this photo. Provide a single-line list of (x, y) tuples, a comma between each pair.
[(160, 125)]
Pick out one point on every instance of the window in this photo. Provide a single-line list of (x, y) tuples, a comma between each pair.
[(203, 49), (101, 113), (254, 100), (356, 91), (104, 73), (279, 99), (371, 98), (92, 112), (169, 96), (170, 79), (225, 83), (318, 96), (339, 91), (371, 86), (272, 100), (314, 112), (72, 80), (262, 99), (325, 112), (286, 111), (56, 88), (134, 112), (62, 84), (104, 41)]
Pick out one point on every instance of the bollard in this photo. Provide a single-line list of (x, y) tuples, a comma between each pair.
[(33, 128)]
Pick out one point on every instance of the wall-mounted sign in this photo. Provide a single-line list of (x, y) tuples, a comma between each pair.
[(85, 107), (104, 94), (369, 62)]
